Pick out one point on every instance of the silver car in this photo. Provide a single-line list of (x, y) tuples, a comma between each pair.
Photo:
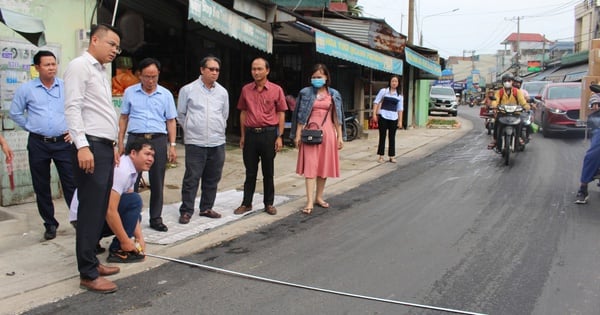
[(443, 99)]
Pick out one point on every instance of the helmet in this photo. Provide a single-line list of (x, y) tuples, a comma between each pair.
[(508, 76), (518, 79), (594, 99)]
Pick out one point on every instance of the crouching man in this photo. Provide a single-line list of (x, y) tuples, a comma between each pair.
[(124, 206)]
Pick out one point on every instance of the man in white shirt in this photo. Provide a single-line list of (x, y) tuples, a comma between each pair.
[(93, 123)]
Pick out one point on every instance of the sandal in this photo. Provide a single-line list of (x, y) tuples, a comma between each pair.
[(392, 160), (380, 159), (492, 145), (322, 204), (307, 211)]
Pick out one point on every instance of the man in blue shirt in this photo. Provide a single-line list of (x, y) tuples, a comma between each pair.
[(148, 111), (38, 107)]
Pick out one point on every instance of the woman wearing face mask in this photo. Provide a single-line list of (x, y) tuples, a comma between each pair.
[(387, 112), (321, 105)]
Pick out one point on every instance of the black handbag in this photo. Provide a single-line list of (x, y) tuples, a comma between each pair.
[(313, 136)]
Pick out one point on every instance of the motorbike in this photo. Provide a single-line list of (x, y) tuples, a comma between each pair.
[(510, 131), (352, 126), (488, 115)]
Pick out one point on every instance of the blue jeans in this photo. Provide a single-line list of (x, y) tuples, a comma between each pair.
[(130, 211), (206, 164), (591, 161)]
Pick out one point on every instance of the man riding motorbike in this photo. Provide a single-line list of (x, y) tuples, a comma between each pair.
[(504, 96), (591, 161)]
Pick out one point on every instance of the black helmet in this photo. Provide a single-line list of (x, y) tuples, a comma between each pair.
[(508, 76), (518, 79)]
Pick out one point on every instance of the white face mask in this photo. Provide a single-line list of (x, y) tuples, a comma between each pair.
[(507, 84)]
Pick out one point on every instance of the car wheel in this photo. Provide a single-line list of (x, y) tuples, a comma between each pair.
[(455, 114), (545, 129)]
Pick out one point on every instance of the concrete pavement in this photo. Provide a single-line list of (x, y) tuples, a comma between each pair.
[(35, 272)]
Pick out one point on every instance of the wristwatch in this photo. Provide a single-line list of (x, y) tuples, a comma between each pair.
[(172, 144)]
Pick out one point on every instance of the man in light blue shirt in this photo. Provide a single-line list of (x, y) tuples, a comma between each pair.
[(148, 111), (38, 107)]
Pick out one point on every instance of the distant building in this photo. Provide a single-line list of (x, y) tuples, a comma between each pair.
[(523, 49), (587, 24)]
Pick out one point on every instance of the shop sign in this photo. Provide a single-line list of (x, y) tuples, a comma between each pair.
[(418, 61)]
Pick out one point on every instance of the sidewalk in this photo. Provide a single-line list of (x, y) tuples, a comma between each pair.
[(35, 272)]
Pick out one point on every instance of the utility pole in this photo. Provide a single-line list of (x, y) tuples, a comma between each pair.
[(411, 20), (518, 45), (472, 57)]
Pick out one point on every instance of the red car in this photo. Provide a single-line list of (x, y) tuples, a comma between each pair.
[(558, 109)]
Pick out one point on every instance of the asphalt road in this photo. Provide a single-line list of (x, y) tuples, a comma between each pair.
[(455, 230)]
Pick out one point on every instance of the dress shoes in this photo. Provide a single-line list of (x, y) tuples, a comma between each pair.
[(100, 285), (242, 209), (270, 209), (158, 225), (50, 232), (107, 270), (184, 218), (210, 213)]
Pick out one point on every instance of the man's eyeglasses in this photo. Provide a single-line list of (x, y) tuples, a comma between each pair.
[(213, 69), (115, 46), (149, 77)]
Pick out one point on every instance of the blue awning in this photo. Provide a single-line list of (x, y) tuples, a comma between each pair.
[(343, 49), (219, 18), (416, 60)]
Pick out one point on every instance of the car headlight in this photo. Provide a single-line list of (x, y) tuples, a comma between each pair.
[(556, 111), (454, 103)]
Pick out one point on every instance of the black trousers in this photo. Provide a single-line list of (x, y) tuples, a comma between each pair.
[(93, 191), (388, 127), (156, 175), (259, 148), (41, 153)]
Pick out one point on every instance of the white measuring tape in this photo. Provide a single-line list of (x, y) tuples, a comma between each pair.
[(245, 275)]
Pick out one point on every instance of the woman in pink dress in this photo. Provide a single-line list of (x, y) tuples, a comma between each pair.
[(318, 105)]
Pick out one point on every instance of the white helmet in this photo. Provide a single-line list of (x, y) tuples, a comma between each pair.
[(594, 99)]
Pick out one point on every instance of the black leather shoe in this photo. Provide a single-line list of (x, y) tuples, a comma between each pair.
[(159, 226), (50, 232)]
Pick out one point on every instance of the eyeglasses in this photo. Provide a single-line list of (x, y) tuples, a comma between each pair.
[(213, 69), (149, 77), (115, 46)]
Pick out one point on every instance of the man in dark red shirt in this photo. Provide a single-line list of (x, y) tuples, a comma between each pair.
[(262, 119)]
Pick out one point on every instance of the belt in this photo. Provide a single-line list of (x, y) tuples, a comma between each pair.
[(56, 139), (261, 129), (109, 142), (148, 136)]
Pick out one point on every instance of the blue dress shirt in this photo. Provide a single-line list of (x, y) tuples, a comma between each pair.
[(40, 110), (148, 112)]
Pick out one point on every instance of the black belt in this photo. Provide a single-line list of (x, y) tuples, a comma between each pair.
[(109, 142), (148, 136), (261, 129), (56, 139)]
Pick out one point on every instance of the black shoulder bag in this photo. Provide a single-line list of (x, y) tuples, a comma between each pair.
[(313, 136)]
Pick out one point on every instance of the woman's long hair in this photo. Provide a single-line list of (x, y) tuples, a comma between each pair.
[(398, 90)]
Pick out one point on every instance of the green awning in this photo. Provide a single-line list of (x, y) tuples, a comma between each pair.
[(343, 49), (221, 19), (27, 26), (418, 61)]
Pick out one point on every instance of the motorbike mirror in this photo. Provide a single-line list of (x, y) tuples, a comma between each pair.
[(538, 97)]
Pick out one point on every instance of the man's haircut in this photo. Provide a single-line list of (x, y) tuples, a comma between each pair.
[(103, 27), (206, 59), (146, 62), (37, 59), (137, 144), (267, 66)]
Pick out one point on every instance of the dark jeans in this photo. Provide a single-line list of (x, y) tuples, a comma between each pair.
[(388, 127), (40, 155), (130, 211), (259, 147), (156, 175), (591, 161), (206, 164), (93, 191)]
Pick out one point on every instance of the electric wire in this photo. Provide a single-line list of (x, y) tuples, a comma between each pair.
[(301, 286)]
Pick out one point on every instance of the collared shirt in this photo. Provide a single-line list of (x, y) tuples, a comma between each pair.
[(203, 112), (88, 101), (45, 108), (391, 103), (262, 106), (124, 179), (148, 112)]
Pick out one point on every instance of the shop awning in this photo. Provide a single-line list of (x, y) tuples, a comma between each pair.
[(415, 59), (561, 75), (221, 19), (27, 26), (577, 73), (343, 49)]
